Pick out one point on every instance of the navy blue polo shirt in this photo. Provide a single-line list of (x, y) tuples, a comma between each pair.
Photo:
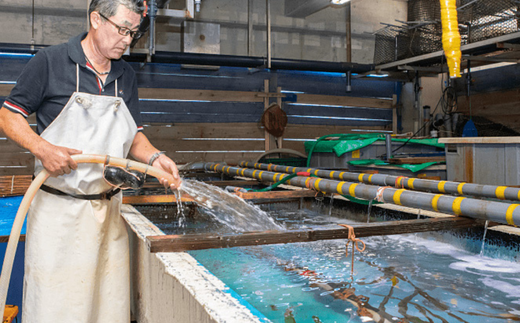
[(49, 79)]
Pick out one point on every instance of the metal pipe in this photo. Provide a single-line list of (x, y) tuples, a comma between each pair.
[(506, 213), (250, 28), (268, 31), (388, 146), (485, 191), (349, 82), (252, 61), (152, 15)]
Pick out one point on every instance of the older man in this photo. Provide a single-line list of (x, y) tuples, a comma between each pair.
[(85, 100)]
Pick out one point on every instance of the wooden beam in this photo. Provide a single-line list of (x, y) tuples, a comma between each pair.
[(233, 183), (4, 239), (170, 198), (208, 95), (154, 199), (5, 89), (215, 183), (276, 195), (345, 100), (175, 243)]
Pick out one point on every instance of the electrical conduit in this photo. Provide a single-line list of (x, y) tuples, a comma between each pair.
[(33, 189)]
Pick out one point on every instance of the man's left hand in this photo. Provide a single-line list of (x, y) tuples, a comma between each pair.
[(169, 166)]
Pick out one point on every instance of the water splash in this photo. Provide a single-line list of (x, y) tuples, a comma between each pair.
[(180, 209), (484, 239), (369, 210), (229, 209)]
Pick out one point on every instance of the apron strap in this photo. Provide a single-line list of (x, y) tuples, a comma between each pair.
[(77, 77), (116, 88)]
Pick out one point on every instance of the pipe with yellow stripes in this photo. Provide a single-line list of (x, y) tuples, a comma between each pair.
[(474, 208), (428, 185)]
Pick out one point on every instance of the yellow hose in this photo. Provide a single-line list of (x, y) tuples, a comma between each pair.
[(14, 237), (451, 36)]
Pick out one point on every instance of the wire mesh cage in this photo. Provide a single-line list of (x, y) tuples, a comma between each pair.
[(422, 33), (391, 44)]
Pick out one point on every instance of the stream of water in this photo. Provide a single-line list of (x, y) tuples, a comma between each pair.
[(229, 209)]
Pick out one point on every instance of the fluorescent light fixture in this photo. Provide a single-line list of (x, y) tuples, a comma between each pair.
[(377, 75), (4, 54), (339, 1)]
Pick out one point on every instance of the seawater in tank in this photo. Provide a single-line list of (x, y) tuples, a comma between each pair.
[(427, 277)]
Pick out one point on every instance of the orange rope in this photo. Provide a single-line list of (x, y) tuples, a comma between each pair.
[(402, 181), (310, 185), (355, 245), (379, 194)]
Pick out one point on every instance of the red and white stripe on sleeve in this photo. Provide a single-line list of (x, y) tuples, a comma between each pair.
[(16, 108)]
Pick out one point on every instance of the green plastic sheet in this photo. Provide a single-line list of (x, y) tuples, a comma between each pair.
[(377, 162), (352, 142)]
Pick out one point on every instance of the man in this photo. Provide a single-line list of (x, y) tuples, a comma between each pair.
[(85, 100)]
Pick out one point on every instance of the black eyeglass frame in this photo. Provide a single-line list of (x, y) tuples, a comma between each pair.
[(123, 31)]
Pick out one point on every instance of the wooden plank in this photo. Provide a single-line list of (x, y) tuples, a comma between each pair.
[(175, 243), (355, 112), (276, 195), (214, 183), (244, 130), (480, 140), (4, 239), (14, 185), (5, 89), (198, 117), (499, 102), (8, 146), (229, 157), (16, 171), (311, 120), (416, 160), (208, 109), (316, 131), (16, 159), (499, 107), (233, 183), (208, 145), (206, 95), (205, 130), (170, 198), (345, 100), (154, 199)]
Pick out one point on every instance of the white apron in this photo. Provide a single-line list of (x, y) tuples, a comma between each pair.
[(76, 255)]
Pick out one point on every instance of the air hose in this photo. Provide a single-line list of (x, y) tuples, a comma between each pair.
[(273, 186), (14, 237)]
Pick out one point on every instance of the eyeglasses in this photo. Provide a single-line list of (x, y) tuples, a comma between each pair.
[(123, 31)]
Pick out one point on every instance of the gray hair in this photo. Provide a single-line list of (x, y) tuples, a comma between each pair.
[(108, 8)]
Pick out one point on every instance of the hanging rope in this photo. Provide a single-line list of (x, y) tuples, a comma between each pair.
[(355, 245), (399, 181)]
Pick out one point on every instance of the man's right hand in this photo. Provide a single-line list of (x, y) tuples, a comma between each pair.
[(57, 159)]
